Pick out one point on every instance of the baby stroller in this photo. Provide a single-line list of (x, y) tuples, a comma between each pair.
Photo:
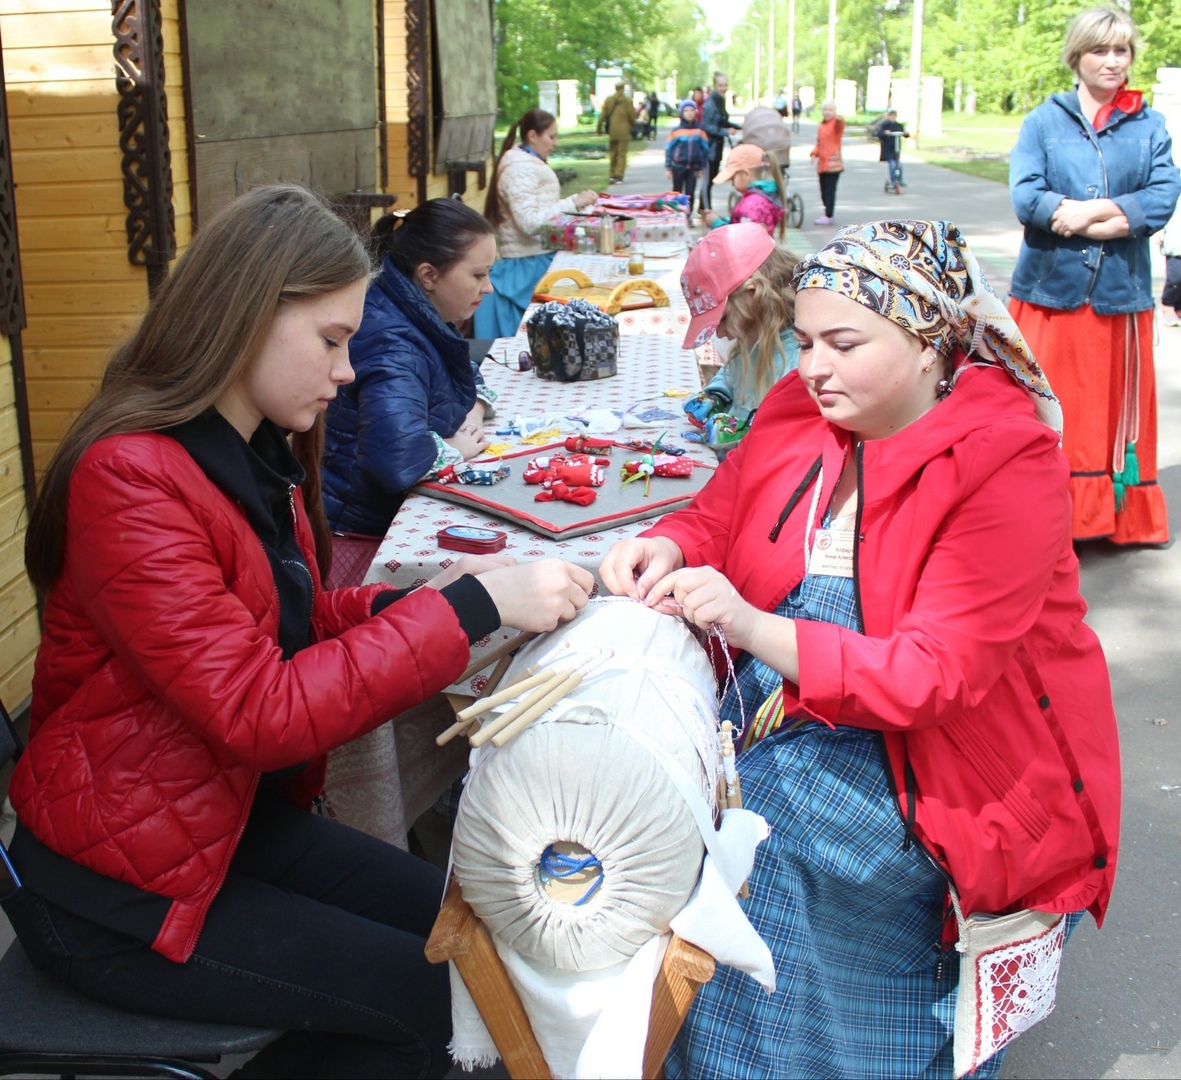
[(766, 129)]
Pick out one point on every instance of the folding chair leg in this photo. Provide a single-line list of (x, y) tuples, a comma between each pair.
[(459, 936), (685, 969)]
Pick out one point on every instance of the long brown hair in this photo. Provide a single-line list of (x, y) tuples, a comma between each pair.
[(534, 120), (757, 313), (273, 245), (771, 170)]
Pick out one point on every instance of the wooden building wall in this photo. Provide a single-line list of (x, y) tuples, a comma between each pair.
[(401, 84), (83, 296), (19, 630)]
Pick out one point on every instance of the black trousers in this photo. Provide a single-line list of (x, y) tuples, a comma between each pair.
[(685, 180), (715, 166), (828, 191), (1171, 294), (318, 929)]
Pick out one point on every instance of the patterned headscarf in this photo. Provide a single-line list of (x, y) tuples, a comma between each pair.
[(922, 276)]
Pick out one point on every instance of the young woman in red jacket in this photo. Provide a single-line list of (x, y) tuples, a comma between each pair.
[(193, 674), (888, 556)]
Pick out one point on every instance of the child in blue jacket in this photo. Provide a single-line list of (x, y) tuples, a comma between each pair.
[(686, 154)]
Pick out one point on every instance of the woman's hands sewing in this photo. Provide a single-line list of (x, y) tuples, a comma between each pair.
[(535, 595), (470, 440), (652, 569), (705, 598), (632, 567), (470, 564)]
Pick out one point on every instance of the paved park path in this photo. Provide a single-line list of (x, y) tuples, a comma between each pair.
[(1119, 997)]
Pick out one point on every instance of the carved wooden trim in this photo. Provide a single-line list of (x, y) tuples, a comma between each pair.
[(383, 143), (143, 136), (12, 290), (417, 86)]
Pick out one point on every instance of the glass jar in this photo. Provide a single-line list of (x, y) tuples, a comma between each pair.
[(635, 260)]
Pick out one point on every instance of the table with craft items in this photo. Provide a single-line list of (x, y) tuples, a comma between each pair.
[(665, 271), (381, 782), (649, 365)]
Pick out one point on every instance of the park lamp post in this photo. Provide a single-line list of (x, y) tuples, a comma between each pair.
[(830, 75), (771, 55), (758, 48), (791, 48), (916, 68)]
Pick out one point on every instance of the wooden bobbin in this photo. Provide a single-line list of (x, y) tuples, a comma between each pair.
[(554, 695), (549, 680)]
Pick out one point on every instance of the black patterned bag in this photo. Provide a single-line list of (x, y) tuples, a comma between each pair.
[(573, 341)]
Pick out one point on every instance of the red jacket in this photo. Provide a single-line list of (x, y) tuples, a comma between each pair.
[(160, 696), (975, 661)]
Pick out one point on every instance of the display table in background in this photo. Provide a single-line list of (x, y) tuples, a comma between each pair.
[(666, 272)]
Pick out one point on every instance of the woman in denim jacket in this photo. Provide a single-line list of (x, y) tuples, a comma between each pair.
[(1092, 177)]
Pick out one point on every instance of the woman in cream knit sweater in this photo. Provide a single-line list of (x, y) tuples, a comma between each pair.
[(524, 197)]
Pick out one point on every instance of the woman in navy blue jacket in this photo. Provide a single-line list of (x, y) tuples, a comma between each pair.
[(418, 402), (1092, 177)]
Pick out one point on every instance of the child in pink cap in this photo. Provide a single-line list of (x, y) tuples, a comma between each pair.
[(759, 182), (738, 284)]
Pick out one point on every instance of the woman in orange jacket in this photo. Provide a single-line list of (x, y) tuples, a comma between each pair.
[(827, 155)]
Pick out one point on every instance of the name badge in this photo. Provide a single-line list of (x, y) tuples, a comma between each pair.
[(832, 553)]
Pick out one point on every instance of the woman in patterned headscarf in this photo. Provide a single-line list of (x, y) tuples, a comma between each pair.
[(888, 556)]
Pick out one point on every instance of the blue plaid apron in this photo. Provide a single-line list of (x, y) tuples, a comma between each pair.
[(851, 918)]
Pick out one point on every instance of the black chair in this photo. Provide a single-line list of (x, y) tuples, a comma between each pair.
[(47, 1029)]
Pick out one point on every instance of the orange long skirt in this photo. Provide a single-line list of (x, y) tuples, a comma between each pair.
[(1092, 361)]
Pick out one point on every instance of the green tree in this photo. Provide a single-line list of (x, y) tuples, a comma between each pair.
[(680, 43), (570, 39)]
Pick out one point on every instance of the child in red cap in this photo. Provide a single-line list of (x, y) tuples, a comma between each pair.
[(738, 284)]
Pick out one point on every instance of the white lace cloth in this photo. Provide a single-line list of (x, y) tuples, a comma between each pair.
[(1008, 979)]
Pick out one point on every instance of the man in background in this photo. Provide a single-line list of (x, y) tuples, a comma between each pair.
[(617, 118), (653, 113)]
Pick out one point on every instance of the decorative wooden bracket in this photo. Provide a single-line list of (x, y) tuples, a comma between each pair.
[(457, 175), (143, 136)]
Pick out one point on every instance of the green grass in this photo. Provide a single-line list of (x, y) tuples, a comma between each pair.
[(592, 172), (977, 144), (996, 169)]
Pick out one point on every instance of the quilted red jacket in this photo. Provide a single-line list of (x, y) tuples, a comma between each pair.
[(975, 662), (160, 696)]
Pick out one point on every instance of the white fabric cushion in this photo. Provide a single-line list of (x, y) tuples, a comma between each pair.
[(576, 775)]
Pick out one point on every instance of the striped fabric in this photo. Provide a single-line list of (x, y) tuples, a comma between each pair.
[(852, 918)]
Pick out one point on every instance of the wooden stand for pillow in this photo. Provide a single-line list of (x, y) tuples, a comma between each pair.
[(459, 935)]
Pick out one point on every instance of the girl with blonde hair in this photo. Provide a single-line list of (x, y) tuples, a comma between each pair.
[(738, 285)]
